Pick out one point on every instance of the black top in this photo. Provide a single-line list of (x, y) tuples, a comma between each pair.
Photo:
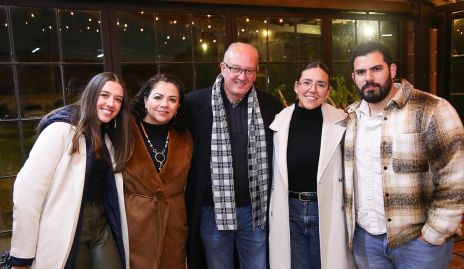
[(304, 144), (157, 135), (237, 122), (96, 179)]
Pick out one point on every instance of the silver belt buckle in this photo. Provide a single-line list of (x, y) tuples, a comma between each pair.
[(304, 193)]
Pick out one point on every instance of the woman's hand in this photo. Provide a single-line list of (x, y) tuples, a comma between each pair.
[(19, 267)]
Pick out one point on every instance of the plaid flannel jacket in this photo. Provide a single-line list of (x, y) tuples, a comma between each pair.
[(422, 158)]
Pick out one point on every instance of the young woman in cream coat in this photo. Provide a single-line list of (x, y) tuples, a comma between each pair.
[(68, 197), (290, 248)]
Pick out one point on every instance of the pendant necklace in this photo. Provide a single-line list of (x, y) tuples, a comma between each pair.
[(160, 157)]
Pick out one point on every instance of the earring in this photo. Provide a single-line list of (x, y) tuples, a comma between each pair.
[(115, 125)]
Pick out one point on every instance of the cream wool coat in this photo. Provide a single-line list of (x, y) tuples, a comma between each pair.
[(332, 228), (47, 199)]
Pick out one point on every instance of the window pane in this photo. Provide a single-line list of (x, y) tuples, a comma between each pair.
[(41, 94), (457, 61), (135, 75), (30, 134), (137, 36), (174, 37), (8, 108), (282, 77), (342, 39), (342, 70), (81, 35), (35, 36), (253, 31), (76, 78), (6, 203), (4, 39), (281, 39), (205, 75), (262, 78), (209, 38), (10, 152), (389, 34), (367, 31), (182, 72), (458, 103), (309, 39)]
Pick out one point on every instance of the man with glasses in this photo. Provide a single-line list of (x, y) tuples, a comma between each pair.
[(404, 169), (228, 186)]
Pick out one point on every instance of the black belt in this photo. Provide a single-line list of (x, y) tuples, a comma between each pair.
[(303, 196)]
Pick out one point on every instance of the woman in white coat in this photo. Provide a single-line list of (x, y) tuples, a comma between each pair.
[(68, 197), (306, 219)]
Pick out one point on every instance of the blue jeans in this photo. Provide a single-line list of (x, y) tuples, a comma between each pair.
[(372, 252), (219, 245), (304, 234)]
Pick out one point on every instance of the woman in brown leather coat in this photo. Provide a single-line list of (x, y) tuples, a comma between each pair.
[(155, 177)]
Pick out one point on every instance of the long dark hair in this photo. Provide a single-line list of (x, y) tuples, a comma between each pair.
[(137, 106), (311, 65), (88, 123)]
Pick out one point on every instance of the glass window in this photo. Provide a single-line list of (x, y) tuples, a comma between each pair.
[(208, 38), (389, 34), (309, 39), (343, 39), (6, 203), (135, 75), (136, 36), (4, 39), (35, 34), (205, 75), (282, 78), (10, 152), (281, 39), (76, 78), (174, 37), (457, 57), (342, 70), (8, 108), (457, 66), (184, 72), (30, 135), (41, 94), (254, 31), (367, 31), (81, 36), (262, 78)]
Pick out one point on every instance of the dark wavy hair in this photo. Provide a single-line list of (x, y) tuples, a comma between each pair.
[(368, 47), (87, 123), (137, 106)]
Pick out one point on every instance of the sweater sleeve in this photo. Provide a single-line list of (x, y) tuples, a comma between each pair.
[(445, 142), (32, 186)]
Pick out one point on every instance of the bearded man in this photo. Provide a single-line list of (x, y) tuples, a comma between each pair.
[(404, 169)]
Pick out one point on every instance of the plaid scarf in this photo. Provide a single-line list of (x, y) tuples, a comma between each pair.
[(222, 174)]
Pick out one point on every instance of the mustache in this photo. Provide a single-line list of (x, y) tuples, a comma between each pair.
[(370, 84)]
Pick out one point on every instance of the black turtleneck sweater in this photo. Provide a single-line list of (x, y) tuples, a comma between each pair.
[(304, 144), (157, 135)]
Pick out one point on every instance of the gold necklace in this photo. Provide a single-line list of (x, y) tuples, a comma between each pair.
[(160, 157)]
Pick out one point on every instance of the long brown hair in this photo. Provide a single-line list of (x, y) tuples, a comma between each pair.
[(88, 123)]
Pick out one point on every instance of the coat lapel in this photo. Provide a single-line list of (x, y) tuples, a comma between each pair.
[(332, 134), (141, 166), (281, 126)]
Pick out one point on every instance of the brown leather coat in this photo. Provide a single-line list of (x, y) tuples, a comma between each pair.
[(155, 204)]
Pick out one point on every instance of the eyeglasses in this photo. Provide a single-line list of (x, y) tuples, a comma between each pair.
[(308, 84), (238, 70)]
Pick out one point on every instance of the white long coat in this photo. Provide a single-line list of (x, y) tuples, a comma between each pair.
[(332, 228), (47, 199)]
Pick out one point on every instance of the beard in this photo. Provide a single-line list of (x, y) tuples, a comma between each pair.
[(376, 96)]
